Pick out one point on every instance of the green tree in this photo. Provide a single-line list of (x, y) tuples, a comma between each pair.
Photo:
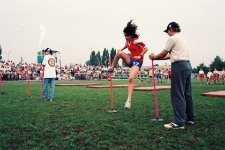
[(97, 59), (194, 70), (112, 54), (217, 63), (223, 64), (105, 57), (92, 58)]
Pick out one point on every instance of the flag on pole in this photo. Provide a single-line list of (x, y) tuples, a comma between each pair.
[(42, 34)]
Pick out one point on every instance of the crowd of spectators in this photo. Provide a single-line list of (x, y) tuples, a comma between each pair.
[(10, 70)]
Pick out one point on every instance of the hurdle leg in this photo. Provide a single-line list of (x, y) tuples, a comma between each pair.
[(155, 97), (111, 110)]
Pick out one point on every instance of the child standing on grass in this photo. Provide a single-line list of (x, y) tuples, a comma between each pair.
[(223, 75), (209, 76), (159, 76), (201, 75), (216, 76), (49, 74), (137, 49), (176, 50), (150, 75)]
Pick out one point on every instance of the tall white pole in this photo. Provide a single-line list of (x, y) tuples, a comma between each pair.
[(59, 49), (21, 27)]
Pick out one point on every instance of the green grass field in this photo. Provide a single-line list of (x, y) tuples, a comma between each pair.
[(78, 119)]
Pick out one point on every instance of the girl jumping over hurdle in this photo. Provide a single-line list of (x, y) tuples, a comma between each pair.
[(137, 49)]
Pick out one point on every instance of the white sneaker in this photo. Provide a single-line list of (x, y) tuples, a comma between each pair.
[(189, 122), (173, 126), (127, 104)]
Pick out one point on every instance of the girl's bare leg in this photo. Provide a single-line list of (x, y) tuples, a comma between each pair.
[(133, 73), (120, 54)]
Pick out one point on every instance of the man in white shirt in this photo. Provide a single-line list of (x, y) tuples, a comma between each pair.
[(176, 50), (49, 74)]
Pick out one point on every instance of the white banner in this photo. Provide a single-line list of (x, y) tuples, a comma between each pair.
[(42, 34)]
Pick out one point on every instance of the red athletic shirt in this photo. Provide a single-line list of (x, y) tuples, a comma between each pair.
[(169, 72), (135, 46)]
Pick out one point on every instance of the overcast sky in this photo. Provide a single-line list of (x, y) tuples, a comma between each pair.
[(77, 27)]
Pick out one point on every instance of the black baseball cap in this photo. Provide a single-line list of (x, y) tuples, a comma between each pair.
[(172, 25), (48, 50)]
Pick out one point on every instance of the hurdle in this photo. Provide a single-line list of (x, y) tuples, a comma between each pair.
[(82, 84), (111, 109), (215, 94), (108, 86), (155, 97), (152, 88)]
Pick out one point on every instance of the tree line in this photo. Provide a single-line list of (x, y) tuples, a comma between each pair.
[(217, 63), (96, 59)]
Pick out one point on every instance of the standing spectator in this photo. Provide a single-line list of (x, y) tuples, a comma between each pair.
[(146, 75), (159, 76), (139, 76), (169, 76), (176, 50), (49, 74), (223, 75), (216, 76), (72, 73), (163, 74), (38, 70), (201, 75), (209, 76), (150, 75), (1, 75)]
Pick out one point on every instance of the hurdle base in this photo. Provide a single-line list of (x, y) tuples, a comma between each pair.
[(29, 97), (157, 119), (112, 111)]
